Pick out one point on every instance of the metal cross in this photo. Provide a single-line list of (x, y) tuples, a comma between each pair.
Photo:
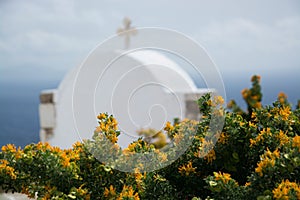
[(127, 31)]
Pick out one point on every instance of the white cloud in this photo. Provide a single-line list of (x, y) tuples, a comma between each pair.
[(60, 33), (241, 41), (264, 36)]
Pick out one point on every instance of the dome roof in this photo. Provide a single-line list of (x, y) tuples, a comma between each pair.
[(141, 89)]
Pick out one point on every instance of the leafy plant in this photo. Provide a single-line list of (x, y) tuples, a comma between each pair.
[(255, 156)]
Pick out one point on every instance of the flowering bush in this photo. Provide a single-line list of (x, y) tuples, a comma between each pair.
[(255, 156)]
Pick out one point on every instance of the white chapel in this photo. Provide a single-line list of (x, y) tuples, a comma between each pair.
[(142, 89)]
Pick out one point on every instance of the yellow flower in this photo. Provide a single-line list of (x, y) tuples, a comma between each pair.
[(43, 146), (253, 115), (128, 192), (101, 116), (282, 97), (114, 124), (255, 77), (285, 112), (65, 159), (296, 142), (131, 147), (82, 192), (223, 138), (282, 137), (252, 124), (247, 184), (187, 169), (230, 104), (4, 168), (201, 139), (113, 138), (164, 157), (266, 132), (242, 123), (255, 97), (209, 102), (3, 163), (283, 191), (211, 156), (252, 142), (219, 100), (139, 177), (18, 153), (111, 192), (9, 147), (103, 127), (245, 93), (257, 105), (169, 127), (267, 160), (56, 150), (177, 138), (224, 177), (77, 145)]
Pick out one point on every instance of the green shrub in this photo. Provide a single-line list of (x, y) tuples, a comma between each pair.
[(255, 156)]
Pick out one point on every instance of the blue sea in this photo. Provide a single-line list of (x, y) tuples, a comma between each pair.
[(19, 120)]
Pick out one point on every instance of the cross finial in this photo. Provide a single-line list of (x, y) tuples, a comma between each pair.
[(127, 31)]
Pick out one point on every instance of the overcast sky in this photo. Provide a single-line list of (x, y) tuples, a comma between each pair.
[(243, 37)]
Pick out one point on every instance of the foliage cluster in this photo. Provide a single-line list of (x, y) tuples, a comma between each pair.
[(255, 156)]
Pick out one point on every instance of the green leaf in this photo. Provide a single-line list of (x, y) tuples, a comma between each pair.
[(235, 156), (212, 183), (72, 196)]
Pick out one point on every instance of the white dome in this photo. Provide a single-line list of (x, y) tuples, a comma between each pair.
[(141, 89)]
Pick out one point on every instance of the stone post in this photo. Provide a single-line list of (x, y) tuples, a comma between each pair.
[(47, 114)]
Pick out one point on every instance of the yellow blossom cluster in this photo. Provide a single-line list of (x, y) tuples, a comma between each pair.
[(186, 170), (253, 96), (4, 168), (66, 155), (285, 112), (223, 138), (282, 98), (139, 178), (252, 125), (216, 101), (65, 159), (230, 104), (107, 125), (253, 115), (12, 148), (206, 150), (169, 126), (255, 78), (284, 190), (109, 192), (267, 160), (266, 132), (9, 147), (43, 146), (83, 192), (282, 137), (296, 142), (178, 137), (224, 177), (211, 156), (132, 146), (128, 193), (247, 184)]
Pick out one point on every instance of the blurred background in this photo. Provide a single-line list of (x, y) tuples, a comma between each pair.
[(40, 41)]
